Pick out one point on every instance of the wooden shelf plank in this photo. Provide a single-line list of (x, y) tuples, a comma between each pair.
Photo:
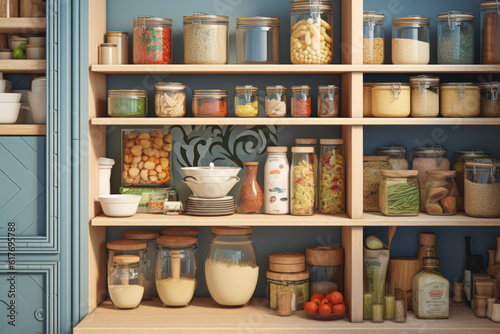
[(22, 25), (22, 129), (433, 68), (423, 219), (22, 66), (203, 317)]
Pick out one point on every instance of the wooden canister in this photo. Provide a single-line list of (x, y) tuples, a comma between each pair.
[(9, 8), (401, 272), (287, 262)]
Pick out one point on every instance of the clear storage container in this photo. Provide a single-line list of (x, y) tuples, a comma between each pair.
[(128, 103), (120, 38), (442, 192), (490, 105), (258, 40), (482, 188), (206, 39), (170, 99), (456, 38), (372, 165), (275, 101), (152, 40), (126, 282), (411, 40), (399, 193), (424, 96), (332, 176), (373, 38), (246, 101), (328, 101), (490, 32), (108, 54), (312, 142), (311, 35), (391, 99), (276, 181), (367, 99), (396, 154), (301, 101), (302, 181), (210, 103), (460, 99), (326, 266)]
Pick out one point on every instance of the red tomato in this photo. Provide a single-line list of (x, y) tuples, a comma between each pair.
[(317, 295), (336, 298), (338, 309), (316, 301), (328, 296), (325, 309), (311, 307), (324, 301)]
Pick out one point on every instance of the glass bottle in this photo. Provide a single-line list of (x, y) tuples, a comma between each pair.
[(411, 40), (302, 181), (300, 101), (373, 38), (442, 192), (455, 38), (276, 101), (276, 181), (126, 282), (424, 96), (332, 176), (427, 242), (328, 101), (246, 101), (490, 32), (251, 196), (400, 306), (389, 301), (152, 40)]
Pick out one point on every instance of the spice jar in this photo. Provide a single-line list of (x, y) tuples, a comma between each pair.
[(391, 99), (482, 188), (210, 103), (400, 306), (460, 99), (120, 38), (328, 101), (489, 310), (311, 35), (442, 193), (108, 54), (300, 101), (480, 306), (490, 105), (126, 247), (257, 40), (180, 231), (399, 193), (231, 266), (312, 142), (424, 96), (367, 300), (302, 181), (170, 99), (149, 272), (427, 243), (326, 265), (396, 154), (490, 32), (458, 291), (152, 40), (126, 282), (206, 39), (276, 181), (276, 101), (246, 101), (332, 176), (455, 38), (372, 165), (128, 103), (176, 269), (373, 38), (411, 40), (389, 301), (367, 99)]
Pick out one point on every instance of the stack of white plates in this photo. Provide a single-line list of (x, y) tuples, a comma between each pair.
[(198, 206)]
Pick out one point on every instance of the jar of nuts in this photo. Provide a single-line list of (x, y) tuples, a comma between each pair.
[(146, 157)]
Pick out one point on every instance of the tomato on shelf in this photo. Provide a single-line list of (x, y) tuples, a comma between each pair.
[(311, 307), (329, 307), (336, 298), (325, 309), (317, 295)]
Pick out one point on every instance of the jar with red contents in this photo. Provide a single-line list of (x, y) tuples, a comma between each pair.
[(152, 40), (301, 101), (210, 103)]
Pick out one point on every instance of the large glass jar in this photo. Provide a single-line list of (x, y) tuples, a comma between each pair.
[(326, 265), (372, 165), (373, 38), (126, 282), (456, 38), (300, 101), (399, 193), (152, 40), (442, 192), (312, 142), (424, 96), (149, 273), (332, 176), (206, 39), (411, 40), (231, 266), (276, 181), (176, 269), (328, 101), (126, 247), (128, 103), (482, 188), (490, 32), (302, 181), (246, 101), (391, 99), (210, 103), (461, 99), (396, 154), (367, 99), (170, 99), (276, 101), (490, 104), (311, 35), (257, 40)]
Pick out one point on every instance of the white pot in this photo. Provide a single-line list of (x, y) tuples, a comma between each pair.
[(211, 173), (9, 112), (38, 107), (119, 205), (39, 85), (210, 189), (10, 97)]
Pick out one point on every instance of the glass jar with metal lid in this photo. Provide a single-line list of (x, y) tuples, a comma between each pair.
[(424, 96), (302, 181), (490, 104), (490, 31), (442, 191), (399, 193), (170, 99), (152, 40), (257, 40), (367, 99), (332, 183), (326, 265), (391, 99), (246, 101), (373, 38), (411, 40), (328, 101), (396, 154), (456, 38), (206, 39), (300, 101), (128, 103), (120, 38), (372, 165), (462, 99), (276, 101), (312, 142), (311, 35), (126, 282), (482, 188), (210, 103)]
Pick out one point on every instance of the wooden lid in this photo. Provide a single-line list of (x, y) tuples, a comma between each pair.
[(176, 240), (331, 141), (427, 239), (251, 163), (442, 173), (399, 173), (126, 259), (287, 258), (180, 231), (481, 297), (124, 244), (232, 230), (288, 276), (140, 234), (376, 158), (277, 149), (324, 255), (287, 268), (405, 259), (306, 149), (306, 141)]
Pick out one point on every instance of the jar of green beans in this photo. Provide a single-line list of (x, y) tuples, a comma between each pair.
[(399, 193)]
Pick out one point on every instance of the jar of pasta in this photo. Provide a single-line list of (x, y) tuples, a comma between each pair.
[(391, 99), (399, 193), (373, 38), (276, 101), (372, 165), (411, 40), (301, 101), (460, 99), (328, 101), (210, 103), (456, 38), (170, 99), (424, 96), (332, 176), (490, 104), (246, 101), (490, 32), (367, 99), (302, 179), (396, 154), (312, 142), (152, 40)]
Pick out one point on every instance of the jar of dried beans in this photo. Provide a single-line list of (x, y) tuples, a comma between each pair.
[(301, 101), (152, 40), (170, 99), (210, 103), (246, 101), (373, 38), (302, 179), (328, 101), (276, 101), (424, 96), (490, 31), (490, 104)]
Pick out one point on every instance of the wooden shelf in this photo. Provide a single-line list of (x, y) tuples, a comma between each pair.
[(22, 129), (22, 66), (434, 68), (203, 317), (22, 25), (423, 219)]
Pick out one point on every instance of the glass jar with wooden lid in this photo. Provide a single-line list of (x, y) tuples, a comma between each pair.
[(399, 193), (126, 282), (120, 38), (455, 38), (460, 99), (312, 142), (372, 165), (331, 176), (424, 96), (442, 193), (391, 99), (411, 40), (326, 265), (126, 247)]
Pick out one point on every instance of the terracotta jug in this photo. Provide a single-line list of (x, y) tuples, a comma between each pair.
[(251, 196)]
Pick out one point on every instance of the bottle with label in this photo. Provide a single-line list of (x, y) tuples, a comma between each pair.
[(276, 181)]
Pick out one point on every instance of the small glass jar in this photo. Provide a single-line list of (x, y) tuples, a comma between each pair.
[(296, 283), (128, 103), (276, 101), (180, 231), (257, 40), (367, 299), (301, 101), (311, 33), (231, 266), (367, 99), (399, 193), (176, 269), (482, 188), (120, 38), (389, 301), (328, 101), (312, 142), (461, 99), (396, 154), (302, 181), (108, 54), (455, 38), (373, 38), (332, 176), (490, 104), (480, 306), (411, 40), (156, 202), (326, 265), (276, 181), (170, 99), (400, 306), (424, 96), (126, 282), (442, 193), (206, 39), (126, 247), (246, 101), (210, 103), (391, 99), (152, 40), (490, 32), (372, 165)]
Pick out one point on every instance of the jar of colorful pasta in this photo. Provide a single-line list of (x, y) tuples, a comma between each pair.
[(152, 40), (312, 142), (332, 176), (302, 181), (301, 101)]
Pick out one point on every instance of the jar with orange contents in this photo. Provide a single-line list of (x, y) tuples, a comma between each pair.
[(152, 40), (301, 101), (210, 103)]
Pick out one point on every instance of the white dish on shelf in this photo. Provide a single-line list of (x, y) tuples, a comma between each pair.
[(38, 107), (9, 112), (211, 173), (210, 189), (10, 97), (119, 205)]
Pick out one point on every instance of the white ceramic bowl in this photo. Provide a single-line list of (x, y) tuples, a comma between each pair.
[(39, 85), (119, 205), (10, 97), (38, 107), (9, 112), (210, 189), (35, 51), (211, 173)]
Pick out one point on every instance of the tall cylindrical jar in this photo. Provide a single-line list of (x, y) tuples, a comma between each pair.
[(170, 99), (461, 99), (312, 142), (326, 265), (456, 38), (126, 282), (482, 188), (373, 38), (275, 101), (276, 181), (152, 40), (302, 181), (257, 40), (490, 32), (108, 54), (411, 40), (328, 101), (246, 101), (372, 165), (490, 104), (206, 39), (311, 35), (391, 99), (396, 154), (331, 176), (300, 101), (120, 38), (424, 96)]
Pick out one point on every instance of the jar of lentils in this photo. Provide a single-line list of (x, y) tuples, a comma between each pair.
[(152, 40)]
